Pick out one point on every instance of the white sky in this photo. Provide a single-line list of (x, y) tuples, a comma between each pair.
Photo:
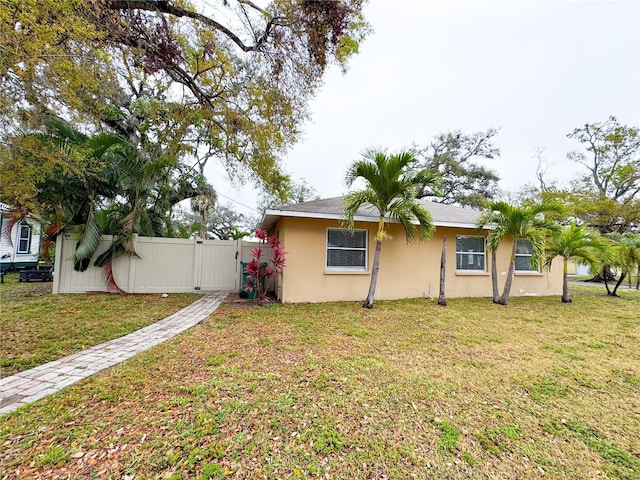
[(534, 69)]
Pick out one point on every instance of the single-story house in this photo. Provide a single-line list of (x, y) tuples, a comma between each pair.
[(325, 262), (19, 241)]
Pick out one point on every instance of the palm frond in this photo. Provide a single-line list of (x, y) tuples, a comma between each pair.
[(156, 223), (578, 242), (16, 217), (114, 251), (353, 202), (532, 222), (82, 264), (100, 144), (391, 183), (550, 209), (88, 243), (109, 277), (364, 169), (64, 130), (425, 222), (50, 234)]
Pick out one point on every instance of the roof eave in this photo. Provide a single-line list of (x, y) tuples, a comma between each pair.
[(271, 217)]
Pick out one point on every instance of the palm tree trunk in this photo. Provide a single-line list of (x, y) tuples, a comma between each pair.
[(618, 283), (565, 283), (507, 285), (368, 303), (442, 300), (494, 277), (203, 224)]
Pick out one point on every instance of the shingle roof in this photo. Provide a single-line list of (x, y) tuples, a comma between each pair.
[(331, 208)]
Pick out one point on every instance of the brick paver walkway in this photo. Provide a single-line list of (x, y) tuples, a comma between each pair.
[(39, 382)]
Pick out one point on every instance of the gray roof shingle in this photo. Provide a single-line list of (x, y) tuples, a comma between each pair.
[(443, 215)]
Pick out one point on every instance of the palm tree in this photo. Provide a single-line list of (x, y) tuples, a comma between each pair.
[(71, 193), (625, 257), (391, 183), (580, 243), (121, 189), (203, 203), (530, 222), (634, 239), (149, 187)]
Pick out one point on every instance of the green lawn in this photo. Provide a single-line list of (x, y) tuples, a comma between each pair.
[(38, 327), (406, 390)]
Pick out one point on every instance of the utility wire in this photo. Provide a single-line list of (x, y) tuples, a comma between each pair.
[(239, 203)]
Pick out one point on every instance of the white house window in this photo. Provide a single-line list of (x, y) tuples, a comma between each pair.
[(24, 238), (346, 250), (524, 250), (470, 253)]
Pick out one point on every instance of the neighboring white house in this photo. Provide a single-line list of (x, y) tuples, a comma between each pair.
[(20, 246)]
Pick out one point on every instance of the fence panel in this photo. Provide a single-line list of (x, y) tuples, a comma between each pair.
[(164, 265), (67, 280)]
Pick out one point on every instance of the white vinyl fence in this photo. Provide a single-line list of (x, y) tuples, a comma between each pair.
[(163, 265)]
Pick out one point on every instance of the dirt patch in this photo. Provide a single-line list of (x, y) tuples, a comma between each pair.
[(32, 289), (235, 299)]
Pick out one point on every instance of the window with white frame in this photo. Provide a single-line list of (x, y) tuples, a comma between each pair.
[(524, 251), (470, 253), (24, 238), (346, 250)]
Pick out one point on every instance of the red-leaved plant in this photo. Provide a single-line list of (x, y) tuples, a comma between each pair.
[(257, 271)]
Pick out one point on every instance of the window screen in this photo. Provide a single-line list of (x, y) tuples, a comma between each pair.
[(346, 250), (470, 253), (524, 249)]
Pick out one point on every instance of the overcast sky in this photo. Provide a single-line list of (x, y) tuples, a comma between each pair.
[(534, 69)]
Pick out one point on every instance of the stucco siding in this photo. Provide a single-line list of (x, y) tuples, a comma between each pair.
[(406, 270)]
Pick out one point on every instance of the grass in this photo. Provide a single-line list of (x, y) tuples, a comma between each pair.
[(38, 327), (472, 391)]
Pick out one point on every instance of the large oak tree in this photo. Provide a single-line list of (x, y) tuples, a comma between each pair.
[(607, 195), (455, 158), (224, 79)]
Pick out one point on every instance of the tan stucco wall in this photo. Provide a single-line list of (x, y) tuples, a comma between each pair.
[(406, 270)]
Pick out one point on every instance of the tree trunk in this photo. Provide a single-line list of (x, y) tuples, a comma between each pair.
[(565, 283), (603, 276), (368, 303), (638, 278), (618, 283), (507, 284), (494, 277), (203, 224), (442, 300), (606, 285)]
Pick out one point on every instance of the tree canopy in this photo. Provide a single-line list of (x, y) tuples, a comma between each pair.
[(222, 223), (454, 156), (226, 79), (607, 196)]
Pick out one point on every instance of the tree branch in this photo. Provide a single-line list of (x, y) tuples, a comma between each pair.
[(164, 6)]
